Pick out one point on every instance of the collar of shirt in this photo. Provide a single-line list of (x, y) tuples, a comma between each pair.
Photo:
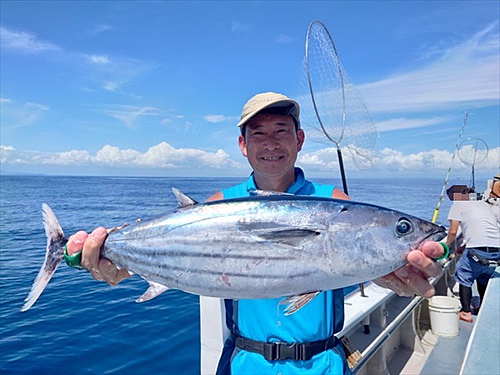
[(300, 181)]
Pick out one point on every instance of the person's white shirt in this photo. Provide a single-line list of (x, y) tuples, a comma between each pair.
[(480, 222)]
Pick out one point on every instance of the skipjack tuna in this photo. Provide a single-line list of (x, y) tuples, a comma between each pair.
[(266, 246)]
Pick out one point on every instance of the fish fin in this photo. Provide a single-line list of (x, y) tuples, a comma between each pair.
[(266, 193), (53, 256), (183, 199), (130, 273), (295, 303), (288, 235), (153, 291)]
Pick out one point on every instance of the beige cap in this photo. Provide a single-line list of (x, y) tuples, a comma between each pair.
[(269, 100)]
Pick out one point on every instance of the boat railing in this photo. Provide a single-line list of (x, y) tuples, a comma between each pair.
[(371, 321)]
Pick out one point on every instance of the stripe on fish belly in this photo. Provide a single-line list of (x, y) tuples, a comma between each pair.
[(257, 247)]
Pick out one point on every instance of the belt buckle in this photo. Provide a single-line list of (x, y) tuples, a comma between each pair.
[(295, 351), (288, 351), (280, 351), (271, 351)]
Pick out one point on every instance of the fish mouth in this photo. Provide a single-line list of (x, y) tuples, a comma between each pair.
[(436, 235)]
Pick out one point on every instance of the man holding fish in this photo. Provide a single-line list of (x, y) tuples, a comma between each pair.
[(266, 337)]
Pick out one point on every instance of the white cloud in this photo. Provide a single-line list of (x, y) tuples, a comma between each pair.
[(219, 118), (129, 114), (113, 156), (14, 115), (389, 160), (464, 75), (23, 41), (4, 152), (113, 72), (323, 159), (73, 157), (100, 28), (108, 72), (406, 123), (110, 86), (165, 156), (214, 118), (99, 59), (162, 155)]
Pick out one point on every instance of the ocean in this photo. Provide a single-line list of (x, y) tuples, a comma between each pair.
[(81, 326)]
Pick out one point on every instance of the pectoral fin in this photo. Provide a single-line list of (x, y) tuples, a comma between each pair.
[(153, 291), (281, 234), (295, 303), (288, 236)]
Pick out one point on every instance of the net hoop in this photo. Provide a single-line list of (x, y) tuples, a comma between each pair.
[(474, 161), (309, 80)]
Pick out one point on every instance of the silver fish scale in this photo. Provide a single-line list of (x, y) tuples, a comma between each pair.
[(266, 247)]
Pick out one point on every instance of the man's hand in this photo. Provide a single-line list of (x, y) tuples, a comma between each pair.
[(90, 245), (413, 277)]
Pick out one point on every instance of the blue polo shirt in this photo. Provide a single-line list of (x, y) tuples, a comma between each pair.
[(265, 320)]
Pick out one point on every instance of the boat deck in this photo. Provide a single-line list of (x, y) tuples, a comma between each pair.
[(446, 356), (481, 355), (474, 351)]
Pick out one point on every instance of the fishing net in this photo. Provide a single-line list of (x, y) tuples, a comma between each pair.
[(471, 152), (332, 110)]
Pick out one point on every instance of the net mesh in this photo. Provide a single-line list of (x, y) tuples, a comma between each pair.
[(473, 151), (332, 110)]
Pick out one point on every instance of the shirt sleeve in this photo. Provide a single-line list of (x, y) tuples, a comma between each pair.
[(455, 212)]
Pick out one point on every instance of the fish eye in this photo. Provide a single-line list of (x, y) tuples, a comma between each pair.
[(404, 227)]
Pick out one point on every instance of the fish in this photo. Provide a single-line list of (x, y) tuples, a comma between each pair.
[(269, 245)]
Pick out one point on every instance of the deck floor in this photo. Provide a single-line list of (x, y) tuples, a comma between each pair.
[(446, 357)]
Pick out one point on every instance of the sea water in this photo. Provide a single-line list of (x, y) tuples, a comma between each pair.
[(81, 326)]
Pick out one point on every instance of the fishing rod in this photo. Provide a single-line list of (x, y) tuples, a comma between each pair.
[(441, 197)]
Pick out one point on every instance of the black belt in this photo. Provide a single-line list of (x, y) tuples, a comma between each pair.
[(488, 249), (280, 351)]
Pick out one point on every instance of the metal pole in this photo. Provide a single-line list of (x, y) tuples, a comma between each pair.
[(342, 171), (344, 185), (473, 180)]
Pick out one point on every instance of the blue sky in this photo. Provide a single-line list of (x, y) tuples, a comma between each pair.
[(156, 88)]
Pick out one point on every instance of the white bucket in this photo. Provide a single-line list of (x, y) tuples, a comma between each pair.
[(443, 312)]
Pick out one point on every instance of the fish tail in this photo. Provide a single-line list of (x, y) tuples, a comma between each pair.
[(53, 256)]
